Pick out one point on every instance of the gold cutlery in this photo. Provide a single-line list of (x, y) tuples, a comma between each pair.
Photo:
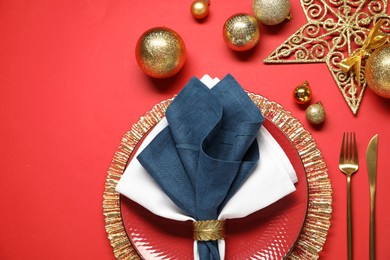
[(371, 160), (348, 164)]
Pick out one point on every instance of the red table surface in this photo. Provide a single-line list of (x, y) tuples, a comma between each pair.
[(70, 88)]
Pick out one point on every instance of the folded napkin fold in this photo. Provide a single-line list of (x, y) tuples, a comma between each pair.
[(207, 150), (194, 164)]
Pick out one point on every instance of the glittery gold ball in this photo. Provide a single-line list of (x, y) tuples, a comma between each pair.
[(378, 71), (199, 9), (315, 113), (271, 12), (302, 93), (241, 32), (160, 52)]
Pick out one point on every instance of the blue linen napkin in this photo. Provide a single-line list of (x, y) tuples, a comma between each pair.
[(201, 159)]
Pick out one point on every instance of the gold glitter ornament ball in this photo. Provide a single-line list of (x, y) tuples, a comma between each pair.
[(241, 32), (271, 12), (315, 113), (378, 71), (302, 93), (160, 52), (199, 9)]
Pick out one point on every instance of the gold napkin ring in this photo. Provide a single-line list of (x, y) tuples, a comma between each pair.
[(206, 230)]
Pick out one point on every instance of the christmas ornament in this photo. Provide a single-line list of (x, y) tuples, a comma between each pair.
[(378, 71), (315, 113), (200, 9), (271, 12), (374, 40), (241, 32), (302, 93), (160, 52), (333, 31)]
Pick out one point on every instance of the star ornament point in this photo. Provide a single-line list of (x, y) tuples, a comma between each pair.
[(335, 29)]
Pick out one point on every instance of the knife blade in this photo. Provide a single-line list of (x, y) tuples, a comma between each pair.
[(371, 160)]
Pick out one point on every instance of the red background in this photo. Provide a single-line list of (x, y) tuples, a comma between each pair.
[(70, 88)]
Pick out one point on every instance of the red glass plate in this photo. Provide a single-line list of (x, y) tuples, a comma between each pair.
[(269, 233)]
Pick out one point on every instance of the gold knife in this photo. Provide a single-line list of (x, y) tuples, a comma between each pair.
[(371, 160)]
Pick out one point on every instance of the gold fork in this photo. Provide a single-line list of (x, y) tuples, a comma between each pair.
[(348, 164)]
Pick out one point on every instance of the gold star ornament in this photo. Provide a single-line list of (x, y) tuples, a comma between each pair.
[(337, 30)]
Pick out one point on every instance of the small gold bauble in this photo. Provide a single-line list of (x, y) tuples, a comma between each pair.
[(378, 71), (315, 113), (302, 93), (200, 9), (160, 52), (241, 32), (271, 12)]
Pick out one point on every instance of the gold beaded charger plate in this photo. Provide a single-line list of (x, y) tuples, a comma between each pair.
[(293, 228)]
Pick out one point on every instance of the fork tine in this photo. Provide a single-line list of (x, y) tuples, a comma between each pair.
[(355, 153), (342, 155), (350, 144)]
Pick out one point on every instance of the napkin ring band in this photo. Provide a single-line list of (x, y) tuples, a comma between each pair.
[(206, 230)]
